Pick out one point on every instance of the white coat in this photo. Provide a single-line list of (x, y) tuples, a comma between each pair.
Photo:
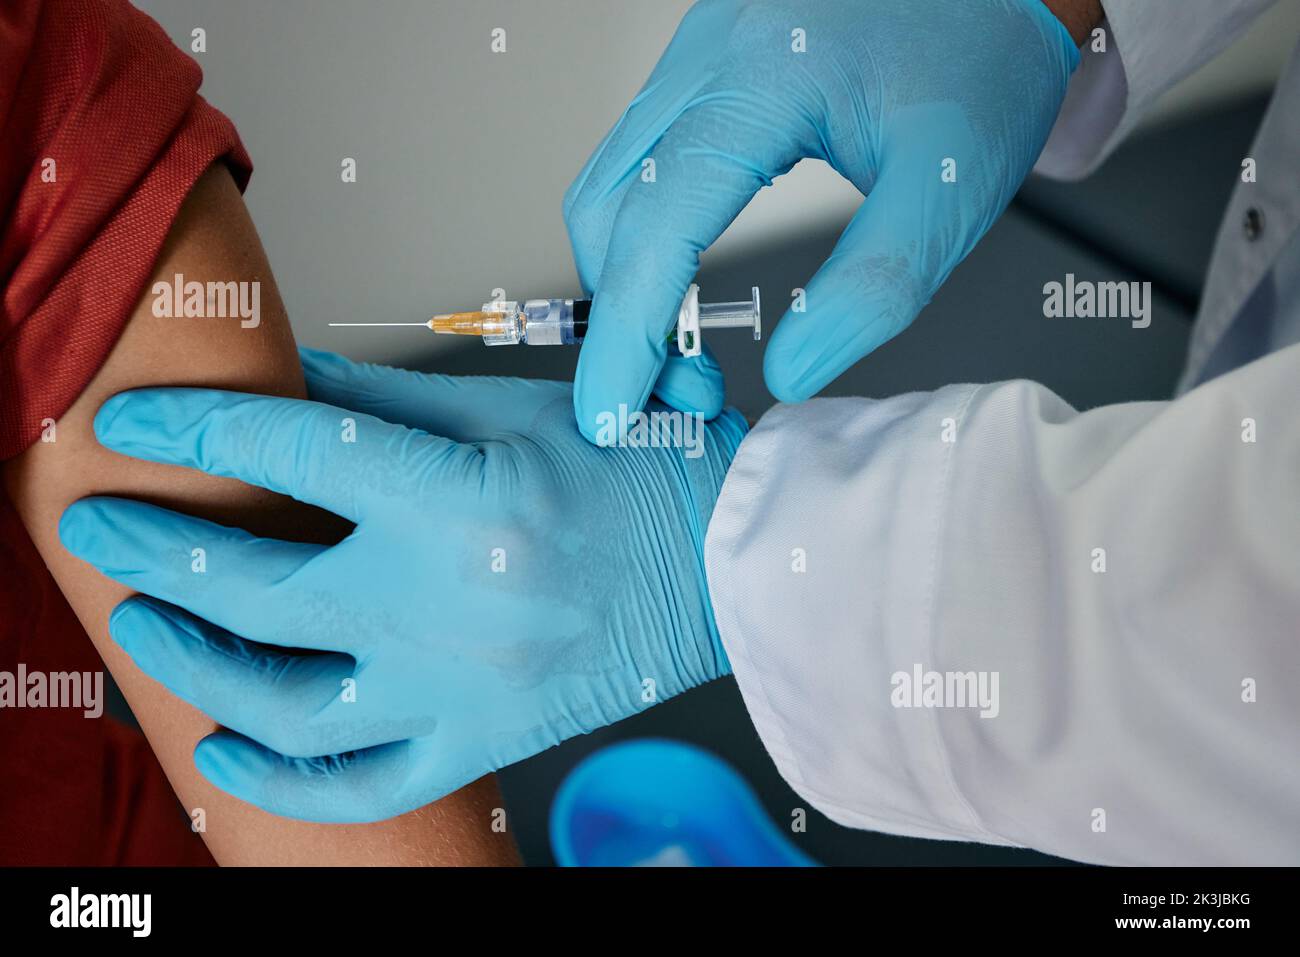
[(1126, 579)]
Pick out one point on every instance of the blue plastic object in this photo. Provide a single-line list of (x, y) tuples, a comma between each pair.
[(661, 803)]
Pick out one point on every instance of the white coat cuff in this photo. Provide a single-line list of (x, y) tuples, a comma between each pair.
[(812, 658)]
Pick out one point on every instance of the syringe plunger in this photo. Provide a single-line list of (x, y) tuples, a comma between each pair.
[(733, 315)]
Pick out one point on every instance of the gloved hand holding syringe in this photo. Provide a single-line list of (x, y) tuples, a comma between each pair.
[(563, 322)]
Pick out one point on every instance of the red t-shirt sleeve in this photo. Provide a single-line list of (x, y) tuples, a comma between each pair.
[(78, 790), (104, 134)]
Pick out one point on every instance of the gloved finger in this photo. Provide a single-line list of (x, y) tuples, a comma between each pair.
[(692, 385), (593, 199), (709, 165), (355, 787), (335, 458), (900, 246), (225, 575), (259, 691), (479, 408), (460, 408)]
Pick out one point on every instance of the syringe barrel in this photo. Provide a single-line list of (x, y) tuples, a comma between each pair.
[(563, 322), (554, 322)]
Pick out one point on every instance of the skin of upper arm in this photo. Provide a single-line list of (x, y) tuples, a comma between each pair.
[(213, 239)]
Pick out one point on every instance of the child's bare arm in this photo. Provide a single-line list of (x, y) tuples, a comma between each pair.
[(214, 239)]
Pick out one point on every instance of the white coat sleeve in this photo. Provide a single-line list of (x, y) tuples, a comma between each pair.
[(1149, 46), (1148, 708)]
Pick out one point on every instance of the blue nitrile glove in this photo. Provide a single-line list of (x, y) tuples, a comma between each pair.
[(693, 384), (899, 96), (508, 585)]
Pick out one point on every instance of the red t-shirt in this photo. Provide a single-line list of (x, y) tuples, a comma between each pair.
[(102, 135)]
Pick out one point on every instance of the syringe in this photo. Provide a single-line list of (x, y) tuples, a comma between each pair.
[(563, 322)]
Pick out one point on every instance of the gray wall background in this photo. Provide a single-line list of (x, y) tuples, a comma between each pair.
[(450, 203), (463, 155)]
